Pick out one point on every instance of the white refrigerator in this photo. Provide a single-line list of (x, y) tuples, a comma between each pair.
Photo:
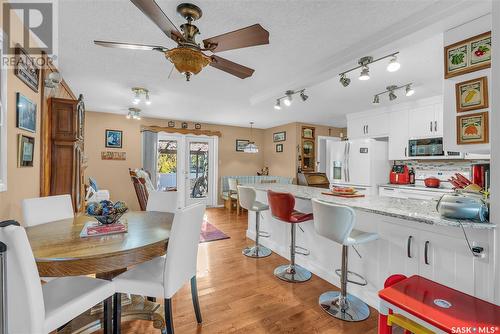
[(363, 164)]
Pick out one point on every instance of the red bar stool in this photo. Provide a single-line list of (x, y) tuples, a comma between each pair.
[(282, 208)]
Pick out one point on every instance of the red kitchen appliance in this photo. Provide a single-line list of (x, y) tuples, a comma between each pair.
[(400, 174)]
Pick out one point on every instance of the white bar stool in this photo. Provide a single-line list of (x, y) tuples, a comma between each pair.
[(336, 223), (247, 200)]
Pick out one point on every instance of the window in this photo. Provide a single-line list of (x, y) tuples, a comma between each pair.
[(3, 120)]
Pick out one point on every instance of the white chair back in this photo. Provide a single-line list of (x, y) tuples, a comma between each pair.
[(43, 210), (162, 201), (334, 222), (25, 308), (247, 196), (182, 251), (233, 185)]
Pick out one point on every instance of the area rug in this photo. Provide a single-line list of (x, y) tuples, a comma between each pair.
[(211, 233)]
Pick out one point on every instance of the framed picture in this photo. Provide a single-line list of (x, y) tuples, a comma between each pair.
[(279, 136), (171, 124), (241, 144), (26, 69), (472, 94), (469, 55), (473, 129), (197, 126), (114, 138), (26, 148), (307, 132), (25, 113), (279, 148), (184, 125)]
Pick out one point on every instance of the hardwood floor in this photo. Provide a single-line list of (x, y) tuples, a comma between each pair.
[(241, 295)]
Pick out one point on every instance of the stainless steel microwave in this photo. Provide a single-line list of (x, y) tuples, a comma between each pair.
[(428, 147)]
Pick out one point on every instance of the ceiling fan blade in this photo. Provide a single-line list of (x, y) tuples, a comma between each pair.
[(241, 38), (131, 46), (230, 67), (151, 9)]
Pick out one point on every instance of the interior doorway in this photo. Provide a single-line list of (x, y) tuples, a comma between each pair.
[(188, 164)]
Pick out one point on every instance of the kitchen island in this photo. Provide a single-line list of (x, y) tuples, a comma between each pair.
[(413, 239)]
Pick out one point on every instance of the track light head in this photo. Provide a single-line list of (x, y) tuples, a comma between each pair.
[(392, 96), (288, 99), (393, 65), (409, 90), (303, 96), (365, 74), (277, 106), (376, 100), (344, 80)]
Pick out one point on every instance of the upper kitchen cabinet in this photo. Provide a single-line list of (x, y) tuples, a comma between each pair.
[(426, 121), (361, 125), (398, 135)]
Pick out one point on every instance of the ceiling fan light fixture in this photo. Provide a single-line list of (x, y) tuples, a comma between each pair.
[(409, 90), (187, 60), (365, 74), (393, 65)]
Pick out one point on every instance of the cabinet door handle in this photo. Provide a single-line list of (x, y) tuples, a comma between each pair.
[(367, 129), (408, 246), (426, 252), (435, 126), (430, 123)]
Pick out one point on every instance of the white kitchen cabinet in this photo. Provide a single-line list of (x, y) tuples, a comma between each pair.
[(398, 135), (426, 121), (373, 126)]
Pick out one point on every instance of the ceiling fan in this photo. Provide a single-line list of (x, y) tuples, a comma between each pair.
[(189, 57)]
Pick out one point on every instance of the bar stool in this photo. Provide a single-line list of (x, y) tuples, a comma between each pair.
[(282, 208), (336, 223), (247, 197)]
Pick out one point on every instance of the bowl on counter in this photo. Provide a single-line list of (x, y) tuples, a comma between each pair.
[(432, 182)]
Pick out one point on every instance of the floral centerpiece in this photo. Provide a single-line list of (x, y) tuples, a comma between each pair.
[(106, 212)]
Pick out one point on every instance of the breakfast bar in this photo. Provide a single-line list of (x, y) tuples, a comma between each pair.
[(413, 239)]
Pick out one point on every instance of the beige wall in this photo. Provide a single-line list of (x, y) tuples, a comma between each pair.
[(113, 175)]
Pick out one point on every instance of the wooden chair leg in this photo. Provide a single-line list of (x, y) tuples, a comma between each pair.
[(194, 297), (169, 319), (107, 320), (237, 207), (117, 313)]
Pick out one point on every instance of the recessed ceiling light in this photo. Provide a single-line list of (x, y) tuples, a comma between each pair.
[(393, 65)]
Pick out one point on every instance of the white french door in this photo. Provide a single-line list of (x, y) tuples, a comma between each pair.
[(188, 164)]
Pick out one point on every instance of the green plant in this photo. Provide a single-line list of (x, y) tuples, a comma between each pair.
[(167, 163)]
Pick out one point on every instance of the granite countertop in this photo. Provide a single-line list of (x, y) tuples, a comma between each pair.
[(422, 211)]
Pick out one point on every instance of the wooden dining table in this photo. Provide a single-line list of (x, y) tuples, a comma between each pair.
[(60, 251)]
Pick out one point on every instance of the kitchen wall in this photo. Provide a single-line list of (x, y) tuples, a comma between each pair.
[(113, 175), (22, 182)]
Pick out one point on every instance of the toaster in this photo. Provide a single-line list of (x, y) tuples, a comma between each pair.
[(461, 206)]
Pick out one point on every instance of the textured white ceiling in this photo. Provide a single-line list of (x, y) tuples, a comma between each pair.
[(310, 42)]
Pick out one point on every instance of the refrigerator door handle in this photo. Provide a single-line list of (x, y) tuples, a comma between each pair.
[(347, 159), (344, 167)]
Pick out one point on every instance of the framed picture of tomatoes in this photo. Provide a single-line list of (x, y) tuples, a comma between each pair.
[(467, 56), (473, 129)]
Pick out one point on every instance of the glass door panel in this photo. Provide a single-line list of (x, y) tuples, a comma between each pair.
[(167, 164), (198, 173)]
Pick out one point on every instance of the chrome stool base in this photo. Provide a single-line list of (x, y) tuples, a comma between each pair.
[(354, 309), (257, 251), (294, 274)]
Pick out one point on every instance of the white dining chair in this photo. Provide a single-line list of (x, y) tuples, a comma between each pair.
[(162, 201), (39, 309), (164, 276), (41, 210)]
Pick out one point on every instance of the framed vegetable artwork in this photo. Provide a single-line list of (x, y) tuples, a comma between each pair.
[(467, 56), (472, 94), (473, 129)]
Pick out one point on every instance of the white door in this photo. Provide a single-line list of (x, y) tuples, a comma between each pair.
[(439, 116), (358, 162), (200, 170), (378, 125), (422, 122), (398, 135), (356, 128)]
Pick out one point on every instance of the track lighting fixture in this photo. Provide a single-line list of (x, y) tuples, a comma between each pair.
[(288, 98), (409, 90), (277, 106), (363, 64), (141, 94), (394, 65), (391, 91)]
